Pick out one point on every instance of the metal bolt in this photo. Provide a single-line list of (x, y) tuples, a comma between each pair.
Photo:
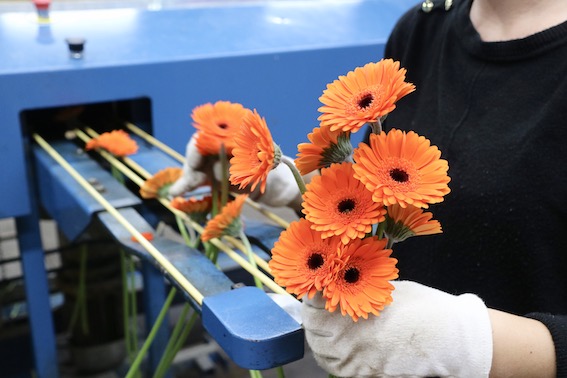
[(427, 6)]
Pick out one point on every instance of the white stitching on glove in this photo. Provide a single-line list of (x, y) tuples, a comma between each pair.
[(424, 332)]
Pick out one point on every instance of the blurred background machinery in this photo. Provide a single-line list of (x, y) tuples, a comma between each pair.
[(142, 66)]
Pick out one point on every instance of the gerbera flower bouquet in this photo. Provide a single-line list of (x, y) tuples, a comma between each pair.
[(363, 201)]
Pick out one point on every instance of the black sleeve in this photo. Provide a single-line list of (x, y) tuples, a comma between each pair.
[(557, 325)]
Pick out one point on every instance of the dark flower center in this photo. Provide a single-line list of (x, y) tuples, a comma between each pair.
[(365, 101), (346, 205), (315, 261), (222, 126), (399, 175), (352, 275)]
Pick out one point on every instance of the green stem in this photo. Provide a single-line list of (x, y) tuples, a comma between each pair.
[(211, 251), (184, 334), (215, 194), (176, 342), (117, 174), (80, 308), (380, 230), (376, 126), (141, 354), (250, 254), (225, 174), (133, 303), (298, 179), (280, 372), (125, 305), (183, 230), (163, 366)]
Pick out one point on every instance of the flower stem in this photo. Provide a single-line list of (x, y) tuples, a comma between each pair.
[(249, 252), (298, 179), (255, 374), (117, 174), (80, 309), (224, 168), (380, 229), (133, 303), (280, 372), (183, 336), (376, 126), (176, 340), (141, 354), (125, 305), (183, 230)]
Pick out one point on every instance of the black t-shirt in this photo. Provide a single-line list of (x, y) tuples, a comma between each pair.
[(498, 113)]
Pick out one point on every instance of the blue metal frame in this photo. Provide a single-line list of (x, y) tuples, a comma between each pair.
[(37, 291), (252, 329), (67, 202)]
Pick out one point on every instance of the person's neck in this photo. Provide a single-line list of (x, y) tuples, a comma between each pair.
[(504, 20)]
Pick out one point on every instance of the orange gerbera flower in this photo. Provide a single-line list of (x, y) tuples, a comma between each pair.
[(363, 95), (117, 142), (254, 155), (326, 147), (362, 285), (338, 204), (410, 221), (227, 222), (196, 208), (158, 185), (217, 124), (302, 261), (403, 168)]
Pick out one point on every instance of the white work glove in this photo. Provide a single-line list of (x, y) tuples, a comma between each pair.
[(423, 333), (194, 168), (281, 188)]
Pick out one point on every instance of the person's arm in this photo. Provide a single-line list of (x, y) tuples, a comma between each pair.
[(522, 347)]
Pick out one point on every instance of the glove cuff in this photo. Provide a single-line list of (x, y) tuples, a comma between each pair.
[(475, 337)]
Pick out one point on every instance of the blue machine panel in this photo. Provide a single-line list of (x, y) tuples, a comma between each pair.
[(252, 329), (67, 201), (274, 56), (192, 264)]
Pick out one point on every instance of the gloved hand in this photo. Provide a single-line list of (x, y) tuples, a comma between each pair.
[(194, 168), (281, 188), (424, 332)]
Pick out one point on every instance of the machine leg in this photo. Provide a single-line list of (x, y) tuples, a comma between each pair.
[(154, 298), (37, 294)]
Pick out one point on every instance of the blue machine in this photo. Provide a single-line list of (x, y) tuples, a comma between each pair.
[(155, 67)]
